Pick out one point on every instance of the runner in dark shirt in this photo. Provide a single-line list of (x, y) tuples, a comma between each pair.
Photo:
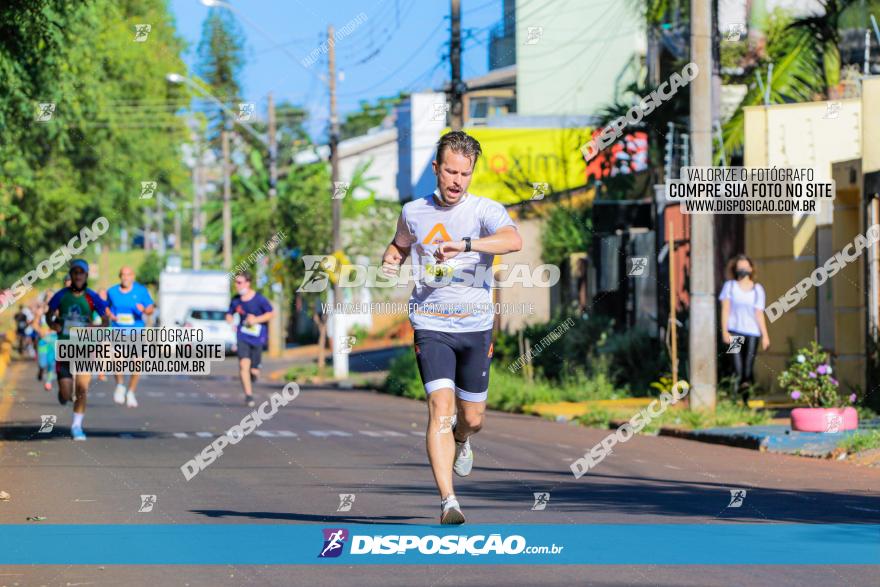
[(254, 312)]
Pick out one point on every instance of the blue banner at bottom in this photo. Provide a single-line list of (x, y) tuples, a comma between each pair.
[(320, 544)]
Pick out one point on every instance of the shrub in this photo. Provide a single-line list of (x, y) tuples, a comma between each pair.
[(636, 358), (808, 380), (861, 441), (403, 377), (150, 269), (507, 392)]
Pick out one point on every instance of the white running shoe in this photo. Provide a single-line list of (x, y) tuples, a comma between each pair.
[(464, 458), (451, 511), (130, 400), (119, 394)]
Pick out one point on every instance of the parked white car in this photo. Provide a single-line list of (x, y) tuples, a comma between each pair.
[(213, 322)]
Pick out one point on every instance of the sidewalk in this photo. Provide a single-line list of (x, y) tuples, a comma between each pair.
[(777, 438), (308, 354)]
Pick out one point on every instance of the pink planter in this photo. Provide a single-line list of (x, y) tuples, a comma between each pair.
[(824, 419)]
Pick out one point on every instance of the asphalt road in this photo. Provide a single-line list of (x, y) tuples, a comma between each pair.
[(328, 442)]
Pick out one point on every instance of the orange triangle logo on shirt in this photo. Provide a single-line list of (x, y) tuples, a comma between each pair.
[(437, 235)]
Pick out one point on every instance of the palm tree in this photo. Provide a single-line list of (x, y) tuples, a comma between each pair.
[(805, 53), (823, 32)]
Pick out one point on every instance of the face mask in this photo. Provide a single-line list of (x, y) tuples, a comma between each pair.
[(742, 274), (241, 290)]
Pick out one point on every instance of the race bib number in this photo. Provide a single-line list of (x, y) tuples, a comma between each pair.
[(125, 319), (75, 323), (438, 275), (253, 329)]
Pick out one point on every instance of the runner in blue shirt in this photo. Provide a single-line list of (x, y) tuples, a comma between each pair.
[(129, 302), (254, 312)]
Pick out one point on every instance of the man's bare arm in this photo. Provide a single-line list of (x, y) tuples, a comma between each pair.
[(395, 254)]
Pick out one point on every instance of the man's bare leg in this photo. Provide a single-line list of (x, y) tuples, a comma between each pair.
[(470, 418), (82, 391), (441, 447), (65, 390), (81, 384), (244, 372)]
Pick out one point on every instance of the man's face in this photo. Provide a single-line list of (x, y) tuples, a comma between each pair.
[(78, 278), (454, 174), (242, 285), (126, 277)]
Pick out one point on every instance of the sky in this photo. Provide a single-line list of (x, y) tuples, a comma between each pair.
[(402, 41)]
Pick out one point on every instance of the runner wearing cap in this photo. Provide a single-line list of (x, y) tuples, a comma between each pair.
[(73, 307)]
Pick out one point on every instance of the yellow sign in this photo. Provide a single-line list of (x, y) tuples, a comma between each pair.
[(528, 163)]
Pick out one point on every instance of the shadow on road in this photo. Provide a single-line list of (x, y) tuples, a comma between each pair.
[(310, 517), (646, 496), (25, 431)]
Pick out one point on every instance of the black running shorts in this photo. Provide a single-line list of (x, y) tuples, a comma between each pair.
[(455, 360), (254, 352)]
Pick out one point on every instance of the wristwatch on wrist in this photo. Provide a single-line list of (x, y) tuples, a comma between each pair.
[(467, 244)]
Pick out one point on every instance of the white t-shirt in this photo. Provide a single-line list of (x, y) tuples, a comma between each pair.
[(462, 300), (743, 305)]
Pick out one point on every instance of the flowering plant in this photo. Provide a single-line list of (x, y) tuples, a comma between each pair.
[(809, 379)]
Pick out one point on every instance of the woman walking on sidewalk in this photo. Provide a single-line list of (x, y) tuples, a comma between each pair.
[(742, 321)]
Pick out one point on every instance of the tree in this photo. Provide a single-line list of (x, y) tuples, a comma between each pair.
[(112, 126), (369, 116), (221, 58), (302, 210)]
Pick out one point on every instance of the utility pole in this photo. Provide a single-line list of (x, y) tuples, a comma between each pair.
[(160, 226), (177, 227), (147, 224), (227, 205), (276, 323), (702, 330), (455, 107), (197, 205), (273, 149), (340, 359)]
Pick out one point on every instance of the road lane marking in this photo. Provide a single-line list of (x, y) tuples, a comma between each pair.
[(204, 434), (326, 433), (380, 433), (181, 435)]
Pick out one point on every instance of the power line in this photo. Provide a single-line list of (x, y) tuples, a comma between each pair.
[(428, 39)]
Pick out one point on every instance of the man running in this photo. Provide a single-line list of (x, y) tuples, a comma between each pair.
[(453, 237), (254, 311), (73, 307), (129, 302), (23, 328)]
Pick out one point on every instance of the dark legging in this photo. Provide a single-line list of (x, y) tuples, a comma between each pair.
[(744, 360)]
